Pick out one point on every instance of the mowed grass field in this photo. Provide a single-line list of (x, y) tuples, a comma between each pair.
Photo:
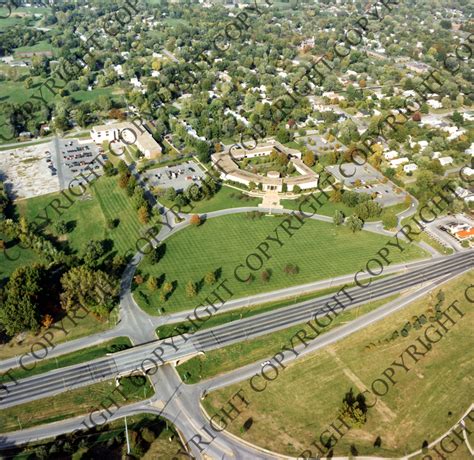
[(321, 250), (115, 204), (88, 215), (225, 198), (329, 208), (425, 402)]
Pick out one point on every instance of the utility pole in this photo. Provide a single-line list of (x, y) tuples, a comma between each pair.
[(126, 435)]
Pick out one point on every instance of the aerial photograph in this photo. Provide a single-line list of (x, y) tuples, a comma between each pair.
[(236, 229)]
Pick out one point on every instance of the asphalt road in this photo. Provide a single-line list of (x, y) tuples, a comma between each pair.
[(138, 358)]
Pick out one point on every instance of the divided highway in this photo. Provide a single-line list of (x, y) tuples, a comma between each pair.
[(141, 358)]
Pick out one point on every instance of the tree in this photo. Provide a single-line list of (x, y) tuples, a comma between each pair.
[(60, 227), (170, 194), (195, 220), (457, 118), (46, 321), (109, 169), (167, 288), (123, 180), (152, 283), (296, 189), (338, 217), (354, 223), (90, 289), (191, 290), (122, 167), (308, 159), (93, 252), (283, 136), (143, 215), (265, 276), (22, 299), (425, 181), (210, 278)]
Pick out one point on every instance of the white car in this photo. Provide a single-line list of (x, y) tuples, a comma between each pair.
[(265, 363)]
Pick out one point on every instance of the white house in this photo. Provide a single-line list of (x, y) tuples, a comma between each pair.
[(470, 150), (462, 192), (129, 133), (398, 161), (390, 155), (434, 104), (445, 160), (410, 167)]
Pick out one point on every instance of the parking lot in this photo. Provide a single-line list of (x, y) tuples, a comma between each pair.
[(180, 177), (73, 158), (371, 182)]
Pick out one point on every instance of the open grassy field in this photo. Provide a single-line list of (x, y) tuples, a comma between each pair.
[(70, 404), (329, 208), (232, 357), (84, 217), (91, 96), (87, 217), (115, 204), (424, 403), (80, 356), (320, 250), (225, 198)]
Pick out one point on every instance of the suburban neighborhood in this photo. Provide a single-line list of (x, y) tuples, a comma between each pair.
[(235, 229)]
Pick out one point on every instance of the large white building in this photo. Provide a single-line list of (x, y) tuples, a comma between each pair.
[(130, 134)]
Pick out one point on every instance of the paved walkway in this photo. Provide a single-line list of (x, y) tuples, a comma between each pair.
[(271, 200)]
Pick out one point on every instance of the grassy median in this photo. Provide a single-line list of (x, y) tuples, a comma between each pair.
[(232, 357), (69, 359)]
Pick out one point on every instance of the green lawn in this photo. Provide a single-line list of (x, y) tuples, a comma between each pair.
[(329, 208), (15, 93), (71, 404), (88, 215), (85, 217), (232, 357), (18, 256), (225, 198), (40, 46), (425, 402), (115, 204), (88, 96), (320, 250), (77, 357)]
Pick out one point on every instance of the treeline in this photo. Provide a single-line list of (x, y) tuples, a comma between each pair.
[(38, 294)]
